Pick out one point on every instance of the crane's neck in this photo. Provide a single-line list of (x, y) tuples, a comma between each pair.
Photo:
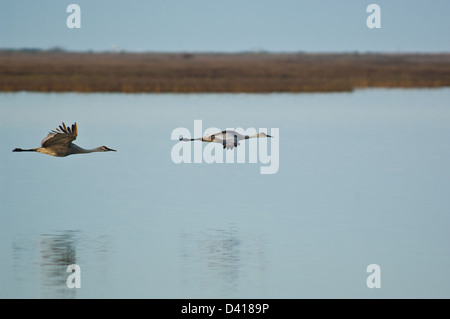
[(252, 136), (75, 149)]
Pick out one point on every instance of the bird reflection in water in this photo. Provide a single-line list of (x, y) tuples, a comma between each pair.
[(57, 251), (221, 260), (221, 252)]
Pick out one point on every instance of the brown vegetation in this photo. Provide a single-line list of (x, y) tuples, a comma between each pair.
[(260, 73)]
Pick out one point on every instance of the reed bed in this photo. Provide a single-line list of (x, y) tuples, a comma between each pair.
[(47, 71)]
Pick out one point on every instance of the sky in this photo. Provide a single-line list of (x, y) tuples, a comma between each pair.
[(227, 25)]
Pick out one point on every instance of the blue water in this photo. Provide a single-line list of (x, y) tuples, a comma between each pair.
[(363, 179)]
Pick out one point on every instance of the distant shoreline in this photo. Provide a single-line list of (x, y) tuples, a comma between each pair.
[(260, 72)]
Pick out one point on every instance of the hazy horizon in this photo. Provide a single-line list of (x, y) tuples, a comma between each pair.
[(61, 49), (226, 27)]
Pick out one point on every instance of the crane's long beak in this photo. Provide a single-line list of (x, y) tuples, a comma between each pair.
[(110, 149), (269, 135)]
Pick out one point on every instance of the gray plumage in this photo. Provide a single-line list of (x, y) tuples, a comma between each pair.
[(59, 143)]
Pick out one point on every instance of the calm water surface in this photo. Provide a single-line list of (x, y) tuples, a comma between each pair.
[(363, 179)]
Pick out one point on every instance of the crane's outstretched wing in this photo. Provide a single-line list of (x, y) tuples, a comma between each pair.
[(230, 144), (63, 135), (229, 139)]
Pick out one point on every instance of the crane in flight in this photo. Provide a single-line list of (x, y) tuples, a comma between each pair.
[(59, 143), (228, 139)]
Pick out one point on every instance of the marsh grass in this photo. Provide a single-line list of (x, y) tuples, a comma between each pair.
[(49, 71)]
